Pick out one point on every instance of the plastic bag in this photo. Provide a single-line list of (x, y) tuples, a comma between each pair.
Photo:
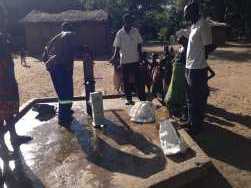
[(171, 142), (142, 112)]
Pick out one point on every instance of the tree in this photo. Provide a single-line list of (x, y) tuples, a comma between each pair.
[(156, 19), (234, 12)]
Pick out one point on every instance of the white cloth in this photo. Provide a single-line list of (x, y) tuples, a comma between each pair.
[(200, 36), (128, 44)]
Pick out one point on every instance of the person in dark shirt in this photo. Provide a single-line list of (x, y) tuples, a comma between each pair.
[(9, 96), (62, 50)]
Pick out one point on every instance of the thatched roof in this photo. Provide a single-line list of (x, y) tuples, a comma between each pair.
[(67, 16)]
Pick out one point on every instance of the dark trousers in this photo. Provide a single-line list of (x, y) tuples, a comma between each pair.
[(63, 83), (129, 71), (197, 94)]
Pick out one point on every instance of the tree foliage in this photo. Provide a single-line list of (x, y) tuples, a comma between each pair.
[(234, 12), (157, 19)]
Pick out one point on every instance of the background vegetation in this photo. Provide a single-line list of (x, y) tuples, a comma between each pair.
[(157, 19)]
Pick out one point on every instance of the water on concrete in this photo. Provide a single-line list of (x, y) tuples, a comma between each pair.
[(122, 154)]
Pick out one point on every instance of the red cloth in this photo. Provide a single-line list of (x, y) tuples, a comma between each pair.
[(9, 97), (8, 109)]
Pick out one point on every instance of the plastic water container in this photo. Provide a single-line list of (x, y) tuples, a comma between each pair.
[(142, 112), (170, 140)]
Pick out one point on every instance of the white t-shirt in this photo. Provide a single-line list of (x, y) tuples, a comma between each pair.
[(200, 36), (128, 44)]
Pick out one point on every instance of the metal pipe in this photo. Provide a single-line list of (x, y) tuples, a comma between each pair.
[(89, 80)]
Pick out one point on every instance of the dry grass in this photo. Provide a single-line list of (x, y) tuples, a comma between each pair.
[(34, 82)]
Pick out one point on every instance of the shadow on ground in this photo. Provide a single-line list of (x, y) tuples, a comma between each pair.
[(213, 180), (222, 144), (17, 175), (103, 153), (222, 117)]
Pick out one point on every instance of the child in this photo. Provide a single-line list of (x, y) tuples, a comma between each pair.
[(23, 58), (156, 76), (175, 98), (143, 80), (211, 74), (145, 71)]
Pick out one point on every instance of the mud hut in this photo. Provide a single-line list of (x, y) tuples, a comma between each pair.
[(92, 27)]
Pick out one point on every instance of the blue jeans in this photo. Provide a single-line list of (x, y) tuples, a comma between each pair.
[(197, 94), (62, 79)]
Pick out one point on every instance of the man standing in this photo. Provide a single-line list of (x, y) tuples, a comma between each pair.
[(60, 66), (199, 46), (128, 45)]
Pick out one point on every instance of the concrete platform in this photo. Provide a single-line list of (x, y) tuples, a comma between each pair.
[(121, 155)]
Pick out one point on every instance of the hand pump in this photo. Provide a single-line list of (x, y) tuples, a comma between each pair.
[(89, 80)]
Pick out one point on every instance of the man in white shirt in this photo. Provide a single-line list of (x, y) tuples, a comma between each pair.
[(199, 46), (128, 47)]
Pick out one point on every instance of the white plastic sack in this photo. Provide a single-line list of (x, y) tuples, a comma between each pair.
[(142, 112), (170, 141)]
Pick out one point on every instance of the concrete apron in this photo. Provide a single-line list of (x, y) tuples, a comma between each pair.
[(121, 155)]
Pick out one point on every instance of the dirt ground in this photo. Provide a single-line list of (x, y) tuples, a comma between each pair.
[(227, 137)]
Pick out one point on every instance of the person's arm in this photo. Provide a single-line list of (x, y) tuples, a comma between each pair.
[(116, 45), (115, 58), (115, 55), (211, 72), (47, 49), (50, 43), (206, 36)]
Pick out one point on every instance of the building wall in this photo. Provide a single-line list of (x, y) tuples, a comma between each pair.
[(94, 35), (18, 9), (37, 35)]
